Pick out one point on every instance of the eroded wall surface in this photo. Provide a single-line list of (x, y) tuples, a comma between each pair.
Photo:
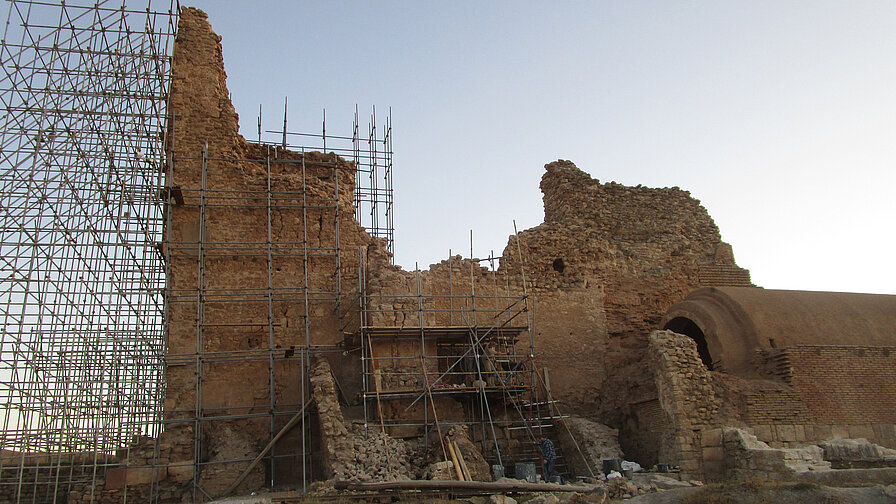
[(604, 267), (599, 272), (263, 254)]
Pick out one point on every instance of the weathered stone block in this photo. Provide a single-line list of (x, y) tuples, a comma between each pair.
[(840, 431), (884, 431), (785, 433), (116, 477), (711, 437), (690, 466), (861, 431), (713, 454), (823, 432), (764, 432), (181, 471), (714, 470), (144, 475)]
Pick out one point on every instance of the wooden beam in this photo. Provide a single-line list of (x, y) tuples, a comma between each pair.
[(496, 487)]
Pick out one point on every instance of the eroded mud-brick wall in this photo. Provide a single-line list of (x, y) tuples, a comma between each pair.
[(850, 385), (602, 269), (456, 293), (605, 265), (239, 244)]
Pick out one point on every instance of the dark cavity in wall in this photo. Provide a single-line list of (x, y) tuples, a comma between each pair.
[(686, 326), (558, 265)]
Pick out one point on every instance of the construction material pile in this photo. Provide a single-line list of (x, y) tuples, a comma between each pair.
[(379, 457)]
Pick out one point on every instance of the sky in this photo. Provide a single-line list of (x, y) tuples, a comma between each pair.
[(779, 116)]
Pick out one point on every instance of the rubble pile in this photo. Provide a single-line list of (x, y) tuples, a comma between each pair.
[(621, 488), (595, 440), (379, 457)]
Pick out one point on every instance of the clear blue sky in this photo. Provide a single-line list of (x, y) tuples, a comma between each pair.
[(780, 116)]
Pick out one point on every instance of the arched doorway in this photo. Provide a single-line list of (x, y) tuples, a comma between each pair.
[(686, 326)]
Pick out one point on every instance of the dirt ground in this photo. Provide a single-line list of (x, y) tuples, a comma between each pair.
[(764, 493), (749, 492)]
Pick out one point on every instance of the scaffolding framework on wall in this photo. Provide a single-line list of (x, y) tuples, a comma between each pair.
[(258, 343), (372, 158), (88, 247), (471, 343), (84, 95)]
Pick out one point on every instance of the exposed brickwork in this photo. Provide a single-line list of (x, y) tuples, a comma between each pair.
[(720, 275), (643, 249), (646, 419), (697, 404), (773, 406), (844, 384)]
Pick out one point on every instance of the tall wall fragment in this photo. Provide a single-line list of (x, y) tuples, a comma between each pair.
[(263, 254), (605, 265)]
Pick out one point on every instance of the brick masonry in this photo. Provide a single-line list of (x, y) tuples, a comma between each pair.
[(824, 399), (845, 385)]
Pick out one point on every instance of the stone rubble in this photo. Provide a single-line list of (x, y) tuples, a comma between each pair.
[(379, 457)]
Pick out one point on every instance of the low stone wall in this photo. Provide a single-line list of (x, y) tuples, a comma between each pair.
[(688, 399), (792, 435), (746, 457), (697, 404)]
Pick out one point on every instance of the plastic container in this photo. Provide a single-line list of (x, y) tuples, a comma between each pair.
[(611, 465), (525, 471)]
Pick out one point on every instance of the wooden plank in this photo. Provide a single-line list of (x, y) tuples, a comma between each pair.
[(463, 463), (496, 487), (460, 473)]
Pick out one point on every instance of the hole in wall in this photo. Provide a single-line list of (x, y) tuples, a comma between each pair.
[(686, 326), (558, 265)]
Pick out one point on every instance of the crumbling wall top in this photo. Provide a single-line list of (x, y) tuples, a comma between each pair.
[(623, 213)]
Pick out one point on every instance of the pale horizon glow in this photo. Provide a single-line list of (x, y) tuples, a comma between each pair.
[(779, 116)]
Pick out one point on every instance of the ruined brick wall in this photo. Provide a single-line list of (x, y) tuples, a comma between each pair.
[(698, 404), (848, 385), (782, 405), (603, 268), (626, 254), (456, 292), (246, 229)]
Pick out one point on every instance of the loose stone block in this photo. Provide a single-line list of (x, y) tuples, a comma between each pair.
[(181, 471), (712, 437)]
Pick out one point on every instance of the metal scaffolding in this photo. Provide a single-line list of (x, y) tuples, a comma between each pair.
[(90, 244), (372, 158), (458, 351), (84, 95), (108, 304)]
